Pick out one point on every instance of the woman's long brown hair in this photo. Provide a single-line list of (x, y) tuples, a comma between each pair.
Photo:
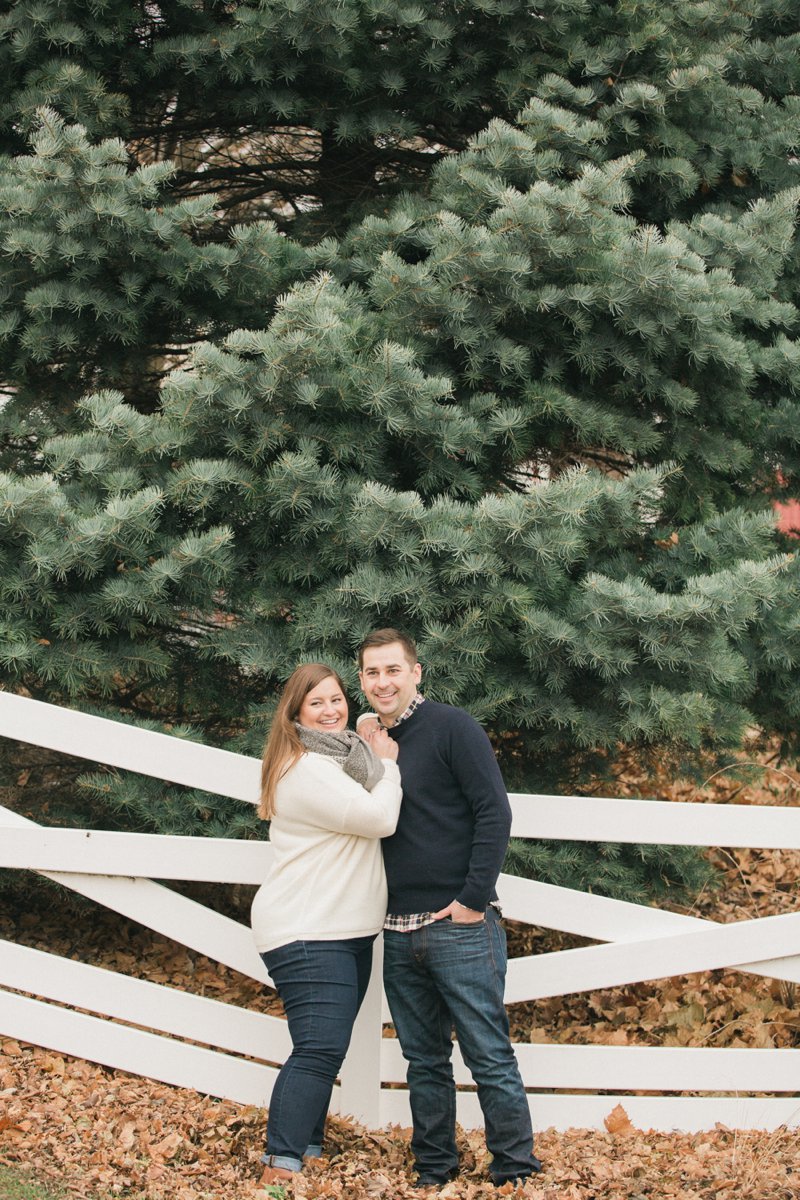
[(283, 746)]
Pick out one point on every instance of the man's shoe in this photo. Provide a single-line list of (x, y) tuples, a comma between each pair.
[(536, 1166), (439, 1181)]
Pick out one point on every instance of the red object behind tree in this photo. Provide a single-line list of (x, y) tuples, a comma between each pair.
[(789, 517)]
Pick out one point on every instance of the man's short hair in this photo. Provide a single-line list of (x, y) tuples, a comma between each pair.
[(385, 637)]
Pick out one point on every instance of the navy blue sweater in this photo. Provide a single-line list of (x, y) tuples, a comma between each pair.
[(455, 817)]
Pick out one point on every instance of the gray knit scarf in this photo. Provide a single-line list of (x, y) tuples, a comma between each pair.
[(359, 760)]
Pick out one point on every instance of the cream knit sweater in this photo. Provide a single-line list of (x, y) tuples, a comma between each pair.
[(327, 879)]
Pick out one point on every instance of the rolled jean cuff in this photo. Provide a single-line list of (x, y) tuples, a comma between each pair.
[(313, 1151), (282, 1160)]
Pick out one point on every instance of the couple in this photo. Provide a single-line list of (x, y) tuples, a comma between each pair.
[(331, 795)]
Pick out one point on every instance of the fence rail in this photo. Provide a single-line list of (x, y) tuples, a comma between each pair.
[(239, 1050)]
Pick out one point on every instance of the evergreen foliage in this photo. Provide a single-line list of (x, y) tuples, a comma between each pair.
[(531, 402)]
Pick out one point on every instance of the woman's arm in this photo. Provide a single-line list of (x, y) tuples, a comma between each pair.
[(317, 791)]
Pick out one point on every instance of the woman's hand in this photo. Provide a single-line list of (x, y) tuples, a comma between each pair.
[(383, 745)]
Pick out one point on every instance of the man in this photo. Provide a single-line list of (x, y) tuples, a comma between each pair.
[(444, 947)]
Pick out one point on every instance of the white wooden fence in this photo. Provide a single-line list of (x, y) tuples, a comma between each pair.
[(575, 1085)]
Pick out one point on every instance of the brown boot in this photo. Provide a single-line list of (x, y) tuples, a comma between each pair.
[(277, 1175)]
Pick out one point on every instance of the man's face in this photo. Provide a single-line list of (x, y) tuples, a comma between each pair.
[(389, 680)]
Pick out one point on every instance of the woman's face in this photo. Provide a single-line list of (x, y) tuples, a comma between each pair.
[(324, 707)]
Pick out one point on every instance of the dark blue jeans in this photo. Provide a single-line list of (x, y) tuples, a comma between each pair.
[(321, 985), (449, 975)]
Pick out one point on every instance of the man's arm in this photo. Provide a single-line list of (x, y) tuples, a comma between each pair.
[(474, 767)]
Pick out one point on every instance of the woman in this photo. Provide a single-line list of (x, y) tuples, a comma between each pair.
[(330, 797)]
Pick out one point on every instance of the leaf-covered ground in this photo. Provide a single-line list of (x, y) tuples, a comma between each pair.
[(93, 1130)]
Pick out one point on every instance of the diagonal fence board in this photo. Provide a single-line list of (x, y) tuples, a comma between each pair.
[(618, 963), (141, 1002), (167, 912), (135, 1050), (160, 755), (584, 913), (613, 921)]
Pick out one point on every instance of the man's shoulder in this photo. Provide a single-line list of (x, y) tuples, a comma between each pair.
[(448, 716)]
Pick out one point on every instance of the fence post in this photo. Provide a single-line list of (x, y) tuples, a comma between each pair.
[(360, 1078)]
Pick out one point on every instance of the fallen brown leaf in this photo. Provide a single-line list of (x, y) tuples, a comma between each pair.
[(618, 1121)]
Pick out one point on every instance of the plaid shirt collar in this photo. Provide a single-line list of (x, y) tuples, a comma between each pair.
[(416, 701)]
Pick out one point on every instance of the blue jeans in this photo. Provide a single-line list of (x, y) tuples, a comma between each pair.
[(449, 975), (321, 985)]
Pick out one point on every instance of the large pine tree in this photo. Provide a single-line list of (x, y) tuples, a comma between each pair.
[(511, 364)]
